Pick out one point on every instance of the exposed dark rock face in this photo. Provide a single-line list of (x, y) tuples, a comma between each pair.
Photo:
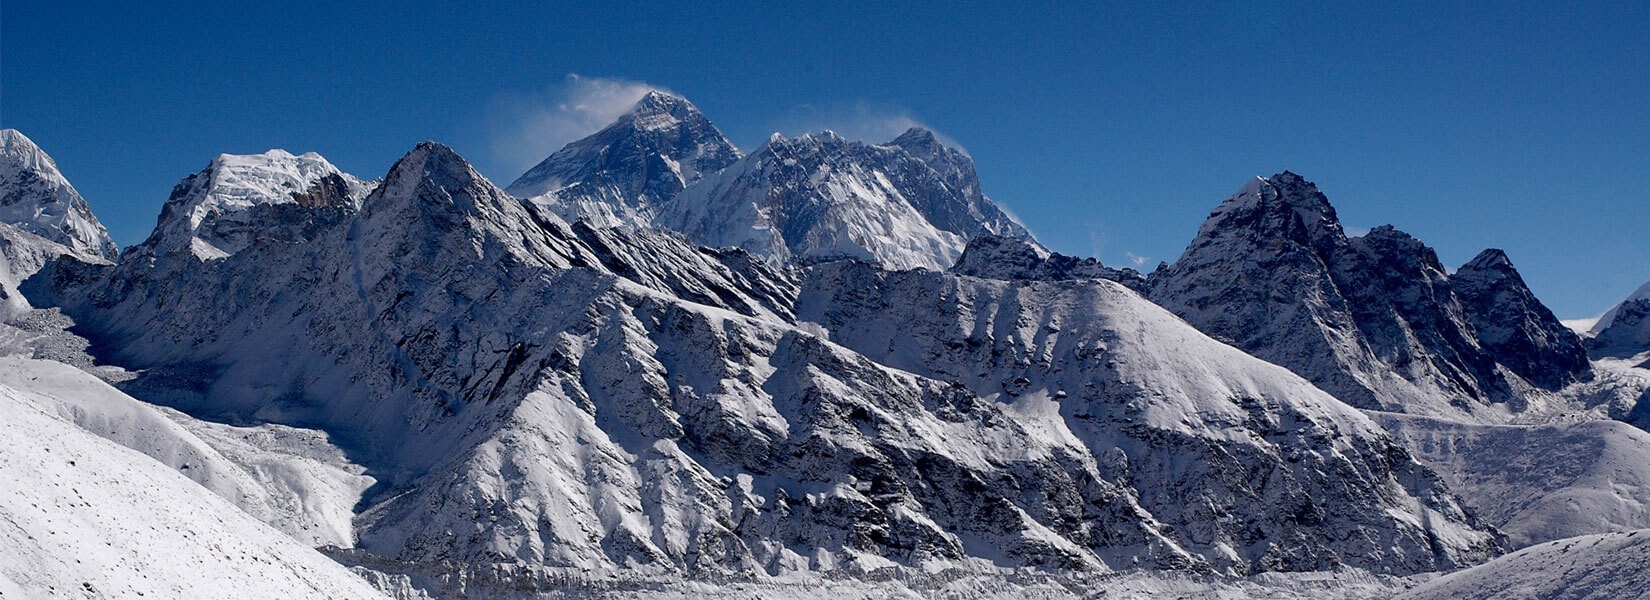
[(995, 257), (1514, 328), (623, 173), (1374, 319)]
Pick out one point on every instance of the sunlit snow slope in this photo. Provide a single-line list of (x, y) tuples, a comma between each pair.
[(86, 517)]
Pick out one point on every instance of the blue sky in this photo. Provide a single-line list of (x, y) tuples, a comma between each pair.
[(1110, 130)]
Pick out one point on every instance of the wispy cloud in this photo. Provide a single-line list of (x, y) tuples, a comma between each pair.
[(525, 128), (861, 120), (1138, 260)]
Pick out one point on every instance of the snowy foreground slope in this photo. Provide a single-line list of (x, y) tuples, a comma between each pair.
[(1610, 565), (292, 479), (85, 517), (538, 399)]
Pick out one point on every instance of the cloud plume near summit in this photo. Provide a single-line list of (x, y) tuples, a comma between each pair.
[(525, 128)]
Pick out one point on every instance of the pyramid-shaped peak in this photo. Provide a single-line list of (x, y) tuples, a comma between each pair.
[(923, 143), (658, 110), (659, 146), (1287, 189), (917, 136), (431, 161), (655, 100), (1290, 178), (1492, 259)]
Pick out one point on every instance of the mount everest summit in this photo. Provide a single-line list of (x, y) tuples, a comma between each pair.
[(654, 358), (912, 202)]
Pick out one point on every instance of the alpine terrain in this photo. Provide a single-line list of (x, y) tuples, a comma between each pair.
[(655, 365)]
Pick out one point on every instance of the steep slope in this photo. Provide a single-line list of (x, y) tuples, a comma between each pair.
[(1184, 425), (1375, 319), (620, 175), (1538, 483), (1611, 565), (292, 479), (86, 517), (820, 197), (36, 198), (1624, 330), (537, 401), (1513, 327), (21, 255), (41, 217)]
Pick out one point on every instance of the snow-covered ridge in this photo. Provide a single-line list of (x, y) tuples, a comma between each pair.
[(1624, 331), (1611, 565), (1538, 483), (223, 208), (289, 478), (821, 197), (912, 202), (36, 198), (994, 257), (1154, 402), (1605, 320), (550, 398)]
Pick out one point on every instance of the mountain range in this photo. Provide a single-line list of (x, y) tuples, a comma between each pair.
[(654, 360)]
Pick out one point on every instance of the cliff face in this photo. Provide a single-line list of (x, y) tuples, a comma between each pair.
[(1374, 319)]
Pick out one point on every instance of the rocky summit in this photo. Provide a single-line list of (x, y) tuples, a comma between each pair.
[(1375, 319)]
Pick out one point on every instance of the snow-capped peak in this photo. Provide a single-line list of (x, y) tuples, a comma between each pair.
[(220, 210), (1604, 321), (645, 156), (35, 197), (657, 111), (19, 148), (917, 137), (1624, 331)]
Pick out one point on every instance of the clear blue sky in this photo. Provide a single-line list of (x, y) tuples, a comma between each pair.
[(1111, 131)]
